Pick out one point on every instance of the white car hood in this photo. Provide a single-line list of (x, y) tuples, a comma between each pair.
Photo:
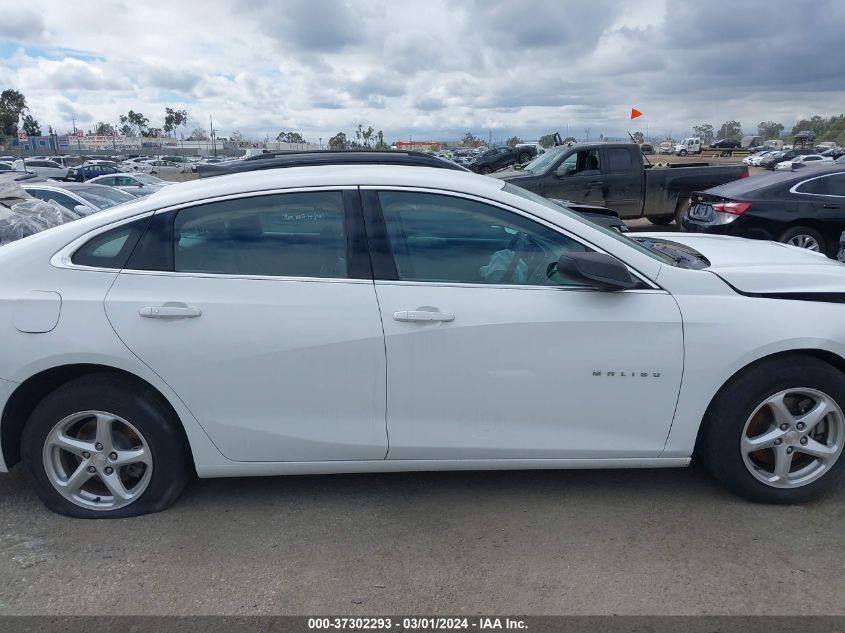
[(762, 267)]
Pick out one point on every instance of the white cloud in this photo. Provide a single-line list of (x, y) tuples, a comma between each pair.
[(430, 68)]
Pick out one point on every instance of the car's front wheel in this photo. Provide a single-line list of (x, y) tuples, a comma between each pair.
[(100, 447), (775, 434)]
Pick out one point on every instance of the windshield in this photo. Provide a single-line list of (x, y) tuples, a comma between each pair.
[(543, 161), (660, 252), (147, 179), (103, 197)]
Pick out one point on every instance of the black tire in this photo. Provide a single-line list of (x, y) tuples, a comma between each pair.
[(660, 220), (797, 231), (484, 170), (723, 425), (524, 157), (683, 152), (144, 409)]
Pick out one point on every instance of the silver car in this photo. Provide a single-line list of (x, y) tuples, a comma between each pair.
[(138, 185)]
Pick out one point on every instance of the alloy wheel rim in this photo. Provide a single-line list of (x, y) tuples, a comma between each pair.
[(804, 241), (793, 438), (97, 460)]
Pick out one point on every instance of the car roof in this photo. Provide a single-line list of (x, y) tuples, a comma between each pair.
[(66, 186), (325, 158), (326, 176), (745, 186)]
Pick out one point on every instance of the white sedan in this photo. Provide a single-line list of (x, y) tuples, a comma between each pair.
[(803, 161), (391, 318), (159, 167), (138, 185)]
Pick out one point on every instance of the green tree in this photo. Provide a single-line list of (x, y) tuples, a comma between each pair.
[(12, 105), (31, 126), (104, 129), (638, 136), (705, 132), (173, 119), (513, 141), (367, 135), (290, 137), (470, 141), (547, 140), (730, 129), (570, 139), (380, 144), (134, 124), (338, 141), (769, 129)]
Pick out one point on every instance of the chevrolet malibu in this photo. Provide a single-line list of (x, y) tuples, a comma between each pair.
[(390, 318)]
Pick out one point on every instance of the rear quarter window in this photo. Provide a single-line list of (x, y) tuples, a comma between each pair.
[(112, 248)]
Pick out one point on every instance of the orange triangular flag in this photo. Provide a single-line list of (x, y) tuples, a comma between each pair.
[(635, 113)]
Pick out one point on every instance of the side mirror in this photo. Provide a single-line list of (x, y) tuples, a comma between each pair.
[(82, 210), (563, 171), (600, 270)]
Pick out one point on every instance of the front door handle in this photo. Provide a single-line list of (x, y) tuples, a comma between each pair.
[(170, 312), (830, 206), (422, 316)]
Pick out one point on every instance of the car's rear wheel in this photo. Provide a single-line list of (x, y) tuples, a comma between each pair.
[(100, 447), (484, 170), (660, 220), (804, 237), (524, 157), (775, 434)]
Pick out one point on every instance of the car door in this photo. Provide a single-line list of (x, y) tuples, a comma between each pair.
[(823, 199), (260, 312), (492, 354), (577, 176), (624, 181)]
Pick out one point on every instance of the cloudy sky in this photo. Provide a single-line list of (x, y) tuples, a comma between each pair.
[(427, 68)]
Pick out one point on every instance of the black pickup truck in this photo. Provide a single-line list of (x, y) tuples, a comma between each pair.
[(614, 175)]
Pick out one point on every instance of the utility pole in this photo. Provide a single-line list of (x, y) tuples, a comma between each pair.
[(213, 139)]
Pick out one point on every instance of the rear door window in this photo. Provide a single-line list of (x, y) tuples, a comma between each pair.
[(285, 235)]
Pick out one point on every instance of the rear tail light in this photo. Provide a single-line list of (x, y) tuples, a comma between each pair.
[(737, 208), (744, 174)]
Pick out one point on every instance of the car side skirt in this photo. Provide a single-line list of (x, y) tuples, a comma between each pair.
[(269, 469)]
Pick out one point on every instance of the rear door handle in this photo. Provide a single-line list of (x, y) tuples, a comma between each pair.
[(594, 183), (830, 206), (170, 312), (422, 316)]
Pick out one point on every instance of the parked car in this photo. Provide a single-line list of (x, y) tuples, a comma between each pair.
[(137, 185), (160, 167), (87, 172), (725, 143), (42, 167), (83, 199), (647, 148), (7, 166), (666, 147), (613, 175), (486, 324), (804, 209), (803, 161), (131, 164), (771, 160), (502, 157)]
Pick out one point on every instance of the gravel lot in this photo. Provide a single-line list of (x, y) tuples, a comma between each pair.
[(546, 542)]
